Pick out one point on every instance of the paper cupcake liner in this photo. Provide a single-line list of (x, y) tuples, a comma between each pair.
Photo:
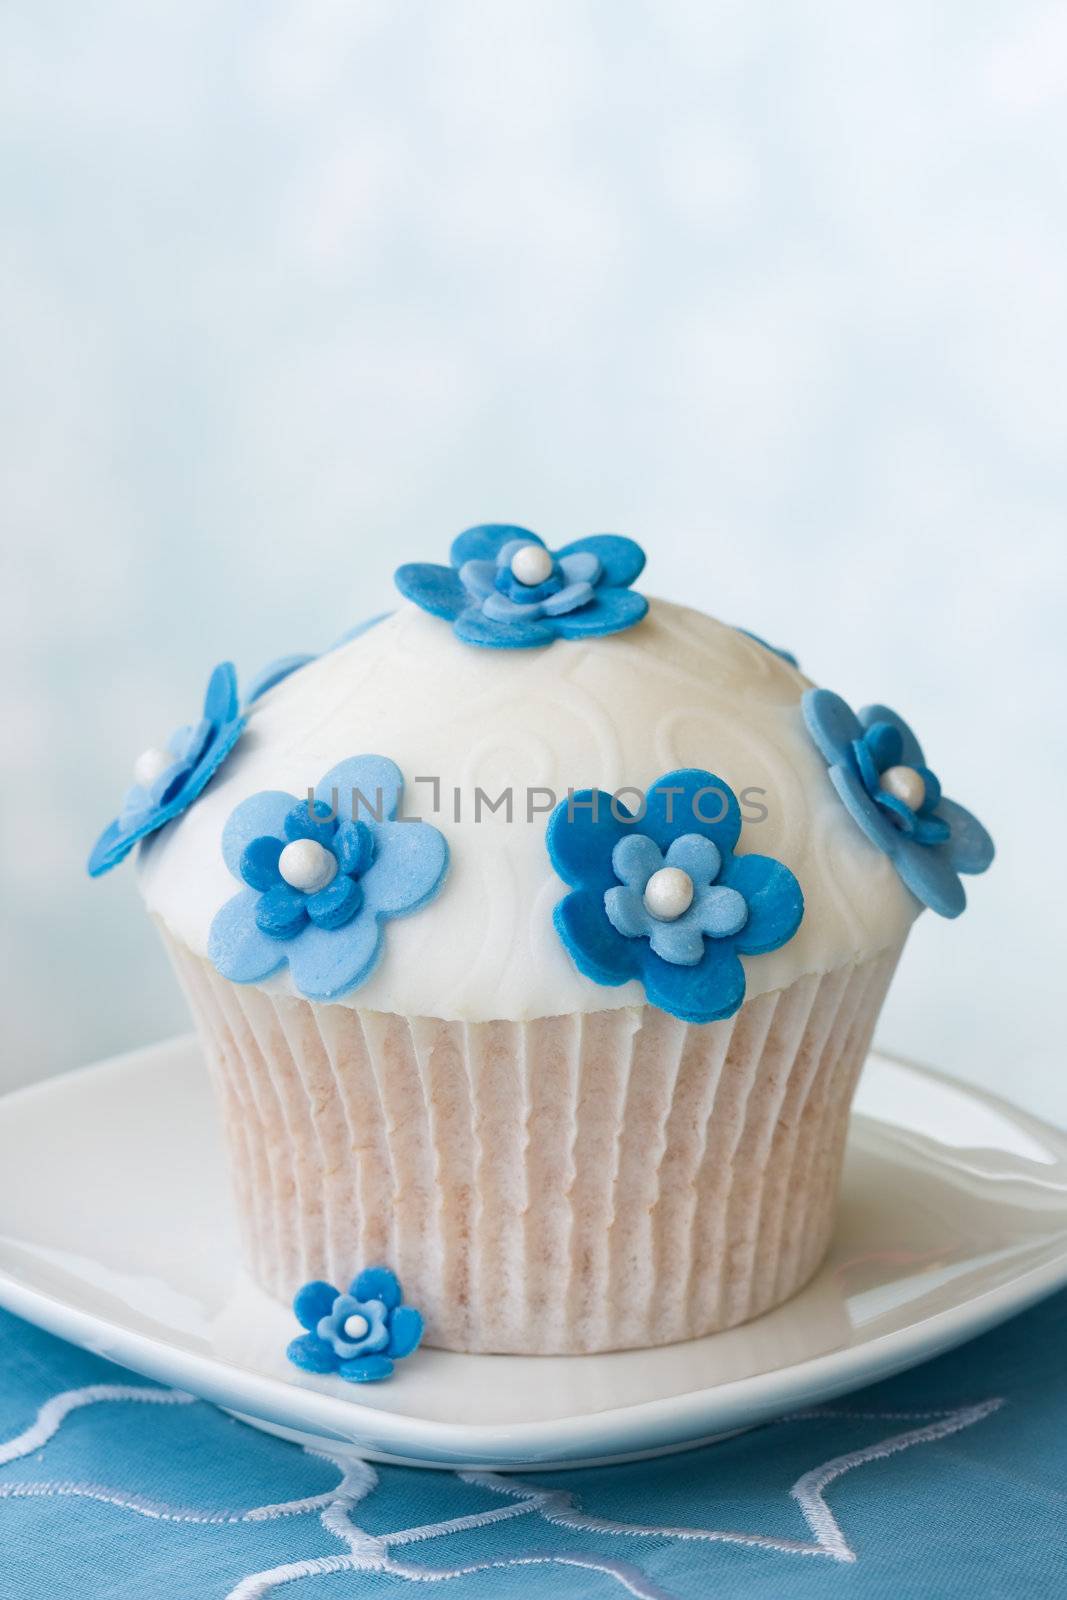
[(578, 1183)]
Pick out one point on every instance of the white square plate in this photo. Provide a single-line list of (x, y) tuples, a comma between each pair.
[(116, 1231)]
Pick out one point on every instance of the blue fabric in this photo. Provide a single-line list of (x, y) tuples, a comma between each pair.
[(968, 1501)]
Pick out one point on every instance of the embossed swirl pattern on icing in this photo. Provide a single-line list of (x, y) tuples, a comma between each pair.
[(679, 690)]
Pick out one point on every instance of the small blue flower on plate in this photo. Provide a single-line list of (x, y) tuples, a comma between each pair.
[(168, 780), (506, 590), (321, 877), (358, 1334), (877, 767), (283, 667), (661, 896)]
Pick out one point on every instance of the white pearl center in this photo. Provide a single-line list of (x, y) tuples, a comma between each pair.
[(356, 1326), (668, 893), (531, 565), (306, 865), (904, 783), (150, 765)]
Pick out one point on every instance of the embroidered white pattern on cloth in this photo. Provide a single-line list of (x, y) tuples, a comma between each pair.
[(366, 1552)]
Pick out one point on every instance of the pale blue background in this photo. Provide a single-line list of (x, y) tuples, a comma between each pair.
[(291, 292)]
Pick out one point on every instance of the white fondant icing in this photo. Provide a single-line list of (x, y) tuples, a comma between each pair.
[(532, 564), (904, 783), (150, 765), (678, 690), (668, 893), (304, 864)]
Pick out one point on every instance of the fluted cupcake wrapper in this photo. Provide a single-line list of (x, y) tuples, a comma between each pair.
[(579, 1183)]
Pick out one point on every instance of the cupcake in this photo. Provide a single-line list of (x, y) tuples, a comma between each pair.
[(535, 937)]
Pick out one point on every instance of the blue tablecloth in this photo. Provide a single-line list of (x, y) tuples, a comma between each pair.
[(948, 1480)]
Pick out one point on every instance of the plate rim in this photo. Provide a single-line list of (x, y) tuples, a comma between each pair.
[(611, 1433)]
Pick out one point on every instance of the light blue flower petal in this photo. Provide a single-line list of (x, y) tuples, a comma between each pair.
[(326, 963), (581, 566), (312, 1354), (581, 841), (871, 818), (474, 628), (405, 1332), (437, 590), (366, 1369), (722, 911), (377, 1283), (484, 542), (260, 814), (680, 942), (478, 578), (621, 560), (273, 673), (360, 629), (635, 858), (712, 989), (832, 724), (409, 866), (692, 801), (698, 856), (911, 753), (567, 599), (609, 611), (221, 703), (626, 912), (368, 786), (594, 946), (498, 608), (237, 947), (774, 899), (313, 1302), (930, 875), (969, 847)]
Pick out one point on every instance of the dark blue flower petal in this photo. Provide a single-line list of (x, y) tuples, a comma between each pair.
[(902, 814), (273, 673), (405, 1332), (594, 946), (911, 754), (928, 829), (832, 724), (313, 1302), (863, 756), (609, 611), (582, 832), (221, 704), (485, 542), (692, 801), (115, 844), (188, 748), (621, 560), (366, 1369), (437, 590), (259, 862), (928, 872), (885, 743), (526, 594), (353, 845), (712, 989), (862, 809), (377, 1283), (335, 905), (300, 824), (282, 912), (312, 1354), (969, 847), (774, 899), (932, 786), (474, 628)]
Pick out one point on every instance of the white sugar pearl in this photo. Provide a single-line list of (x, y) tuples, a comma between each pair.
[(532, 564), (150, 765), (306, 865), (668, 893), (356, 1326), (904, 783)]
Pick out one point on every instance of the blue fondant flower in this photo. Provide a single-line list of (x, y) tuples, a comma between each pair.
[(784, 655), (282, 667), (505, 589), (168, 780), (877, 767), (322, 877), (359, 1334), (662, 898)]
